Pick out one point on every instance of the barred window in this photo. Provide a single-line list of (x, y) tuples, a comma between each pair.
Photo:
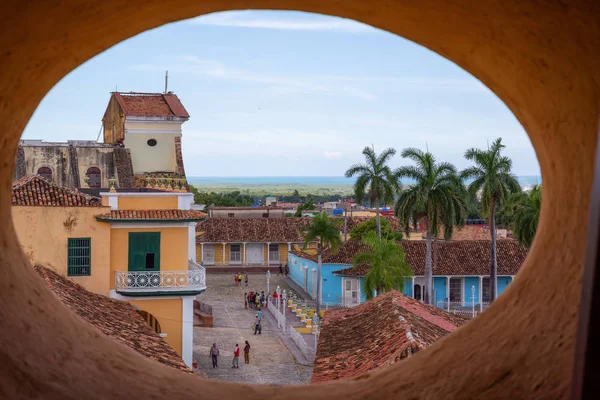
[(80, 254)]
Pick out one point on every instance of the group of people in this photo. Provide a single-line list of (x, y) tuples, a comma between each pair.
[(215, 353), (283, 270), (237, 277), (255, 300)]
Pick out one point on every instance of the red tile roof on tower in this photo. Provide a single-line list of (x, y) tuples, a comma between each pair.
[(33, 190), (234, 230), (380, 332), (463, 258), (151, 104), (151, 215), (116, 319)]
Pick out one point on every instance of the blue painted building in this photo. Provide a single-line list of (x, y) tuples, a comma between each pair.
[(460, 270)]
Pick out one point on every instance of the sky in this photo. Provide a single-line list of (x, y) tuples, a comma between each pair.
[(280, 93)]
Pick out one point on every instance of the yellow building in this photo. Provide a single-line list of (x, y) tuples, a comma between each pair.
[(133, 246), (153, 260), (247, 242), (57, 228)]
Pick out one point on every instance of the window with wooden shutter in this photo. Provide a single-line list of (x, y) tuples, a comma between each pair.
[(80, 257)]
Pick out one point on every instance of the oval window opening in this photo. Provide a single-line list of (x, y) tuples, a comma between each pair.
[(151, 142)]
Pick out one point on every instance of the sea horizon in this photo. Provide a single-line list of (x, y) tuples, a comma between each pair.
[(524, 180)]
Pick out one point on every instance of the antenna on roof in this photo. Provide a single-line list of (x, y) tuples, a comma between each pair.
[(166, 80)]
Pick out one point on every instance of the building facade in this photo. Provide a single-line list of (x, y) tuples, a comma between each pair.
[(141, 148), (133, 246), (245, 212), (460, 272), (248, 242)]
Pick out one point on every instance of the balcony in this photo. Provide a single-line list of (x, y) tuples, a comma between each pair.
[(162, 283)]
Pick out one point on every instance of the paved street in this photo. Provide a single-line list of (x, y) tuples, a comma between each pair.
[(271, 362)]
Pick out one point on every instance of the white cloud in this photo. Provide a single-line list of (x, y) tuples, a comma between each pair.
[(332, 154), (190, 64), (245, 19)]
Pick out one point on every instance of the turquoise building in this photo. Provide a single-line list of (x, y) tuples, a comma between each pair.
[(460, 271)]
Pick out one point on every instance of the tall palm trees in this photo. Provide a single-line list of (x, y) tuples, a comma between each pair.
[(524, 209), (388, 268), (325, 230), (437, 196), (376, 179), (494, 182)]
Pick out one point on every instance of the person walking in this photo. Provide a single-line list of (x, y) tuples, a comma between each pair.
[(236, 357), (245, 301), (262, 300), (287, 270), (214, 354), (257, 301), (235, 279), (280, 270), (246, 278), (247, 353), (257, 326), (259, 314)]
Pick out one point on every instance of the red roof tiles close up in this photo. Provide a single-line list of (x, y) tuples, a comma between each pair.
[(465, 257), (234, 230), (151, 104), (33, 190), (380, 332), (151, 215), (116, 319)]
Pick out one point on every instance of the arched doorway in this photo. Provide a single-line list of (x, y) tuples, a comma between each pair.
[(547, 76), (151, 320), (45, 173), (94, 177)]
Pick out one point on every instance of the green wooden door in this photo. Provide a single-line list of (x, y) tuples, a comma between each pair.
[(144, 251)]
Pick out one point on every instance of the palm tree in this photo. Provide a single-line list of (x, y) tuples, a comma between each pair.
[(375, 178), (326, 231), (438, 196), (388, 268), (494, 182), (524, 208)]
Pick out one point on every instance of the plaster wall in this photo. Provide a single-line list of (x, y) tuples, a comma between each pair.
[(43, 233), (541, 58)]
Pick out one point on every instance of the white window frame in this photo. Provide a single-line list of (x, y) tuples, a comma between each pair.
[(274, 255), (235, 257), (352, 300), (208, 257)]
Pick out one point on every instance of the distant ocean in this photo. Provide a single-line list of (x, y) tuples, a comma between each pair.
[(524, 180)]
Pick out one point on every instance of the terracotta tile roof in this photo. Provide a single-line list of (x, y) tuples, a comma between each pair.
[(151, 215), (470, 232), (382, 331), (33, 190), (234, 230), (151, 104), (467, 257), (116, 319)]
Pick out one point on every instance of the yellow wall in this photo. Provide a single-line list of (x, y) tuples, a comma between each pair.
[(173, 249), (159, 158), (168, 312), (148, 203), (44, 232), (283, 253)]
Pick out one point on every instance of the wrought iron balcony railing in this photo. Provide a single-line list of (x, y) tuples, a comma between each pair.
[(192, 280)]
